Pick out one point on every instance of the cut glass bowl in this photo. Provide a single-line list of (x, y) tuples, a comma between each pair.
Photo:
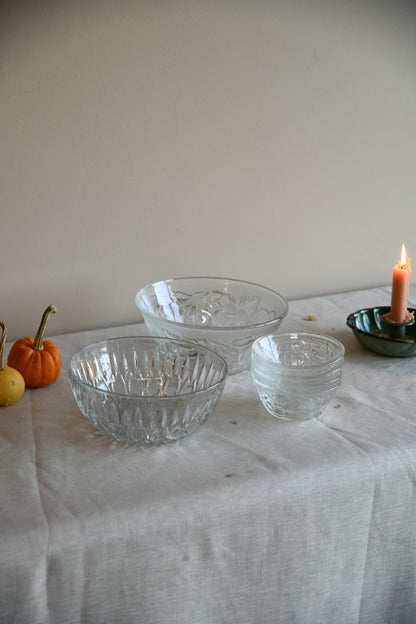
[(226, 315), (144, 390), (297, 373)]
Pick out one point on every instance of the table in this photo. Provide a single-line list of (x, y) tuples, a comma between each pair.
[(251, 520)]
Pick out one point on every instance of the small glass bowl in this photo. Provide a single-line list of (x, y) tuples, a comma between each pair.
[(226, 315), (296, 373), (146, 391)]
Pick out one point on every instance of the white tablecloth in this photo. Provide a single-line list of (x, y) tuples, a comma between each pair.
[(251, 520)]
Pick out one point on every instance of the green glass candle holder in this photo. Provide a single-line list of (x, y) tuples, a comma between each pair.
[(376, 333)]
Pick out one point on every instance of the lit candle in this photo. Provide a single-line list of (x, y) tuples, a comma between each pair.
[(400, 289)]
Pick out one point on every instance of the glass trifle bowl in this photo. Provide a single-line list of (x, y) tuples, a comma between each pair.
[(220, 313)]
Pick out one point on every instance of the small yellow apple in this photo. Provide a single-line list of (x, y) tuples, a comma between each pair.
[(12, 384)]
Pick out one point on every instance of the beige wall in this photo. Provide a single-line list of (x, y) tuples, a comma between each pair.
[(272, 141)]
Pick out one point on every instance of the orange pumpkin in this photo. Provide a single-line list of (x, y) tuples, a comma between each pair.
[(38, 360)]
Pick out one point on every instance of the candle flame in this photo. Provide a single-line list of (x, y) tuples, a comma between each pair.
[(403, 256)]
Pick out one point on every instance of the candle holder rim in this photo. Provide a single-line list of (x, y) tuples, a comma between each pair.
[(381, 311), (384, 320)]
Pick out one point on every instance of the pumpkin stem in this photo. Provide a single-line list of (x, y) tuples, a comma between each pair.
[(38, 342), (2, 341)]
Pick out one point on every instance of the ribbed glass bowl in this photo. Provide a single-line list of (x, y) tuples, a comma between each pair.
[(226, 315), (146, 390), (297, 373)]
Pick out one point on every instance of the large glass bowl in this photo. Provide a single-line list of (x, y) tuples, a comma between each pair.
[(144, 390), (297, 373), (226, 315)]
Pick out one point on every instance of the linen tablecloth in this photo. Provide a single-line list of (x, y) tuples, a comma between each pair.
[(251, 520)]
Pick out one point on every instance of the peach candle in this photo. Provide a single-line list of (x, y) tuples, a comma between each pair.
[(400, 290)]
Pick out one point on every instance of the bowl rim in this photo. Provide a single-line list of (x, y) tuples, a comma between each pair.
[(340, 357), (211, 328), (185, 343)]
